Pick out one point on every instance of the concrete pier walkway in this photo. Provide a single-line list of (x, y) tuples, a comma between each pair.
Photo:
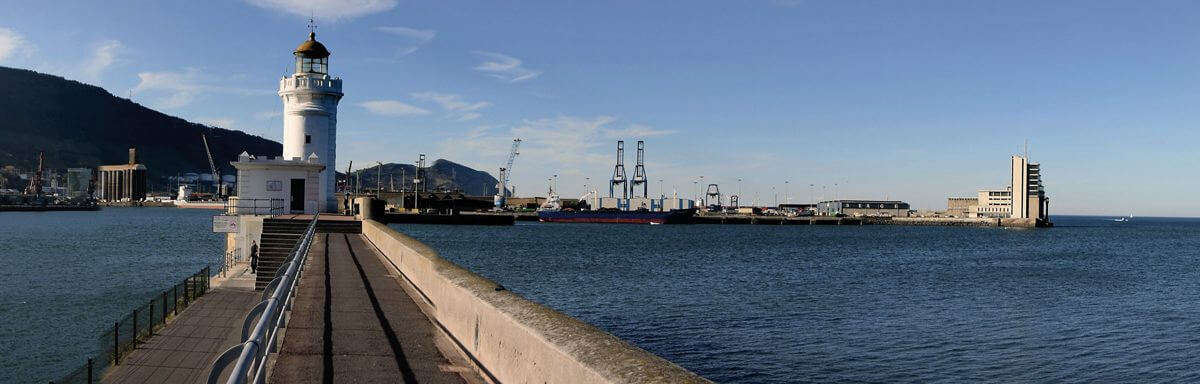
[(183, 350), (353, 322)]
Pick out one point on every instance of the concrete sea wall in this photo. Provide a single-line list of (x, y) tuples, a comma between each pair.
[(513, 339)]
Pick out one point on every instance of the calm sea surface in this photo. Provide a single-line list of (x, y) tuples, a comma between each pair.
[(65, 277), (1088, 301)]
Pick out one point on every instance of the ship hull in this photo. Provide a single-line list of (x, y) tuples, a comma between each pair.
[(616, 217)]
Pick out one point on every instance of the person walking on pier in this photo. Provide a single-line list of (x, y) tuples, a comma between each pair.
[(253, 257)]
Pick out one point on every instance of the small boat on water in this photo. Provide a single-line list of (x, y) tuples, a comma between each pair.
[(1124, 219)]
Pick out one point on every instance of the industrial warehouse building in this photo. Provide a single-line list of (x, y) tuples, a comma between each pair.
[(124, 182), (875, 208)]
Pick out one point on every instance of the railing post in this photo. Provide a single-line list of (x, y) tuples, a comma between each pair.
[(117, 343), (150, 327), (175, 300), (135, 330), (89, 371), (187, 285), (164, 316)]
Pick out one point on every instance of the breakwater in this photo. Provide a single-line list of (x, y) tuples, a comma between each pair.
[(510, 338), (832, 220), (1089, 301)]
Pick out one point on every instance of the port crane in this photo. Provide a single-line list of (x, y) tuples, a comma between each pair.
[(639, 172), (619, 173), (212, 166), (505, 172), (714, 192), (35, 183)]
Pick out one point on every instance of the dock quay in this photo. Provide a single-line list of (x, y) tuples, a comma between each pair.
[(465, 218), (47, 208), (833, 220), (375, 305)]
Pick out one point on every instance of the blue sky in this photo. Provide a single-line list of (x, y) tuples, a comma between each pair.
[(913, 100)]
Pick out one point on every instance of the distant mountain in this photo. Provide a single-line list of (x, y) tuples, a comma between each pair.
[(443, 175), (80, 125)]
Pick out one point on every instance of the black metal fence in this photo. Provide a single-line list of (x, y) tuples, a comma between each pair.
[(239, 206), (139, 324)]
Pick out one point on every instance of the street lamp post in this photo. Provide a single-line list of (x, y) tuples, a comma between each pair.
[(787, 192), (378, 179)]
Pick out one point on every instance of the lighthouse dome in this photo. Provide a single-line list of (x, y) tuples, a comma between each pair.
[(312, 48)]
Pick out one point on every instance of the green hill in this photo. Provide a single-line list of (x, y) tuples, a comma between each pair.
[(81, 125)]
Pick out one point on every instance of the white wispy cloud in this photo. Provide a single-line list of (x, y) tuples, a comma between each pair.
[(564, 142), (572, 147), (636, 131), (266, 115), (393, 108), (478, 131), (504, 67), (11, 43), (789, 3), (103, 56), (327, 9), (184, 87), (413, 38), (454, 105)]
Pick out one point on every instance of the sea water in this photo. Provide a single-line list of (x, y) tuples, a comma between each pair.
[(1090, 300), (66, 277)]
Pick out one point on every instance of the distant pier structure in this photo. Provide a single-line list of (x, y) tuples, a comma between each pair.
[(1028, 194), (1024, 201)]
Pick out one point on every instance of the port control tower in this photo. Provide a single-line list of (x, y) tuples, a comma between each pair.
[(310, 99)]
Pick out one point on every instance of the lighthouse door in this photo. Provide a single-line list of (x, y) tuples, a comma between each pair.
[(297, 196)]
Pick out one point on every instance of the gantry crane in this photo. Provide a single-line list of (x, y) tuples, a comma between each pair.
[(505, 172), (639, 172), (212, 166), (619, 173)]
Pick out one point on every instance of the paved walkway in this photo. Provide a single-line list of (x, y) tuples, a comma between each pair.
[(183, 350), (353, 322)]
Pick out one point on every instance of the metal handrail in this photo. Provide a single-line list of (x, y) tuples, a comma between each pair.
[(235, 206), (252, 353)]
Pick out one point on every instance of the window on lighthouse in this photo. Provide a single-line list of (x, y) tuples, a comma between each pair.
[(311, 65)]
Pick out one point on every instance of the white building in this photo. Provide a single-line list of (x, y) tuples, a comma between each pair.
[(1028, 194), (304, 176), (302, 179)]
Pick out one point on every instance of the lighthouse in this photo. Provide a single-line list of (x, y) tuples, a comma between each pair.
[(310, 99)]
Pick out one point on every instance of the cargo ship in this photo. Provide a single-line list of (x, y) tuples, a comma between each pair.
[(617, 216), (551, 212)]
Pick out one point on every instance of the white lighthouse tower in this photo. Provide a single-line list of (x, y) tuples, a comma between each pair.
[(310, 98)]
